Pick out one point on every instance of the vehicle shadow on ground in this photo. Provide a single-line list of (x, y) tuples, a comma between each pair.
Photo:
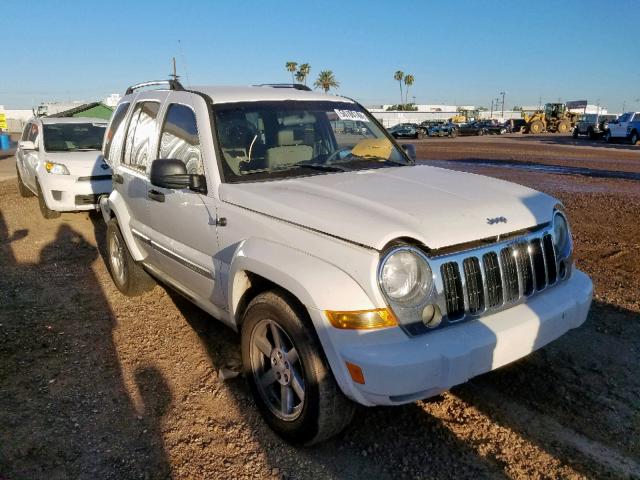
[(428, 449), (554, 139), (65, 411)]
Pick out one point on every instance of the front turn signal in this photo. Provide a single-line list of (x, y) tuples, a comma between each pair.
[(362, 319)]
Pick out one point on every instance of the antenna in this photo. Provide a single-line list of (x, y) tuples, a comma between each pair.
[(174, 75), (184, 63)]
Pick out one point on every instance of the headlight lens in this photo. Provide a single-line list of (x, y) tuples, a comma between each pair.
[(562, 235), (56, 168), (405, 277)]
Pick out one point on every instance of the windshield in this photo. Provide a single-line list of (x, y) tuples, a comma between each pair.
[(268, 140), (70, 137)]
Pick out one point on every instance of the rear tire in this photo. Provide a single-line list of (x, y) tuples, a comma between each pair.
[(591, 134), (22, 188), (127, 274), (46, 212), (282, 358)]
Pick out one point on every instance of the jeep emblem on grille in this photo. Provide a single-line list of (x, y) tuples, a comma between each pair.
[(494, 220)]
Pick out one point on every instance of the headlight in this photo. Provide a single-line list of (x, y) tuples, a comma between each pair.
[(405, 277), (562, 235), (56, 168)]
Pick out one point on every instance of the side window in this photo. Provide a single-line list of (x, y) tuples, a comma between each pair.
[(116, 121), (139, 135), (27, 130), (33, 133), (179, 138)]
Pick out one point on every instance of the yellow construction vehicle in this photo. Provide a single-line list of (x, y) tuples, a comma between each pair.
[(555, 117), (465, 115)]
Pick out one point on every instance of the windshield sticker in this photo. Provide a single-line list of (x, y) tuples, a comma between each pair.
[(351, 115)]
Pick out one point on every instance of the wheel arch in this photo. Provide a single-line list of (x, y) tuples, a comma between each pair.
[(260, 265)]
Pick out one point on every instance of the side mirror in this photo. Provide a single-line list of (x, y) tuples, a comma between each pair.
[(26, 145), (172, 173), (411, 151)]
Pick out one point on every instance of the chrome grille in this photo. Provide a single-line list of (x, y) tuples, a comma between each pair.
[(491, 278)]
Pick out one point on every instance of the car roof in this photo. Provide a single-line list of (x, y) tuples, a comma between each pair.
[(54, 120), (232, 94)]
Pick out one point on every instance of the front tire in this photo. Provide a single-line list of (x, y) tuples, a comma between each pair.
[(536, 127), (287, 373), (634, 138), (607, 137), (22, 188), (46, 212), (575, 132), (127, 274)]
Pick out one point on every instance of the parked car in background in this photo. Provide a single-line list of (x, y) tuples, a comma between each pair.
[(625, 128), (59, 160), (515, 125), (494, 127), (475, 128), (447, 129), (317, 248), (406, 130), (592, 125)]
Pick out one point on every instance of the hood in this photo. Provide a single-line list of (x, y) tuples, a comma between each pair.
[(81, 164), (435, 206)]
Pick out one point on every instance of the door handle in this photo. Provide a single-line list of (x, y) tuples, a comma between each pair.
[(156, 195), (117, 178)]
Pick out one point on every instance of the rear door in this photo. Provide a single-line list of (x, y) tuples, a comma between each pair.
[(182, 231), (132, 176)]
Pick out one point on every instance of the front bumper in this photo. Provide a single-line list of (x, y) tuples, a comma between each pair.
[(65, 193), (398, 369)]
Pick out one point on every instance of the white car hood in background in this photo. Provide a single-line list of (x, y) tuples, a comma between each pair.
[(80, 164), (435, 206)]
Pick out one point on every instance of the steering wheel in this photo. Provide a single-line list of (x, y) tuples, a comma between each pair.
[(337, 153)]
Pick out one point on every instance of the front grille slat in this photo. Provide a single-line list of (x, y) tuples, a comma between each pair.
[(452, 284), (537, 259), (550, 258), (475, 288), (523, 262), (510, 273), (493, 279)]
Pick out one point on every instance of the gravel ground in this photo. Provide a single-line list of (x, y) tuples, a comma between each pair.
[(97, 385)]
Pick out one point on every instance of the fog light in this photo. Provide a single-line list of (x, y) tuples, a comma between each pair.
[(431, 316)]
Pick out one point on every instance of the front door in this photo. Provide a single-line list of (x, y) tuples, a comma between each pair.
[(619, 128), (28, 159), (182, 230)]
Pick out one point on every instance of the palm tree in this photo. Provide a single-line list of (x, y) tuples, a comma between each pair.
[(300, 76), (398, 76), (326, 81), (291, 67), (408, 81), (304, 71)]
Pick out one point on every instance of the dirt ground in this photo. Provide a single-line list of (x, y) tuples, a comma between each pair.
[(97, 385)]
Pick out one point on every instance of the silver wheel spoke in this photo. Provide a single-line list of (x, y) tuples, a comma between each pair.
[(286, 399), (263, 345), (268, 378), (292, 356), (275, 333), (296, 383)]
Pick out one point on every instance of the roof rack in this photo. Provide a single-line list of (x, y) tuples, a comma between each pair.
[(173, 85), (296, 86)]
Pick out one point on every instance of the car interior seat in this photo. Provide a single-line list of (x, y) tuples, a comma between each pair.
[(289, 150)]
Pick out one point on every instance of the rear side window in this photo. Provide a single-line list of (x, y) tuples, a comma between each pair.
[(116, 121), (179, 138), (141, 131)]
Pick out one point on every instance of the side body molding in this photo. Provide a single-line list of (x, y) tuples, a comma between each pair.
[(317, 284)]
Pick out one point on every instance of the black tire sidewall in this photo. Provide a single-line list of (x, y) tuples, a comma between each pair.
[(114, 229), (268, 306), (46, 212)]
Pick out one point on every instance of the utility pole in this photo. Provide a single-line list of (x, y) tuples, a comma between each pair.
[(491, 114), (503, 94), (624, 104), (174, 75)]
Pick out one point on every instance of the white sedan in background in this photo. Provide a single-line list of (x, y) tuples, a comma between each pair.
[(60, 161)]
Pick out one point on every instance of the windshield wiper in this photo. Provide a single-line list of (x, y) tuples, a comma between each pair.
[(321, 166), (382, 160)]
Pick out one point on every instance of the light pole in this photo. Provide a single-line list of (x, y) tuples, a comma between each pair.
[(503, 94)]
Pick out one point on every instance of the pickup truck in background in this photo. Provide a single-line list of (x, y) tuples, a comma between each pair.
[(627, 128)]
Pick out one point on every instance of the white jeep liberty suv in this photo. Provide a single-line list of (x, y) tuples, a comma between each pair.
[(353, 274)]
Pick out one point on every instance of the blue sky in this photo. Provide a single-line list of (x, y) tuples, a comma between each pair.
[(464, 52)]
